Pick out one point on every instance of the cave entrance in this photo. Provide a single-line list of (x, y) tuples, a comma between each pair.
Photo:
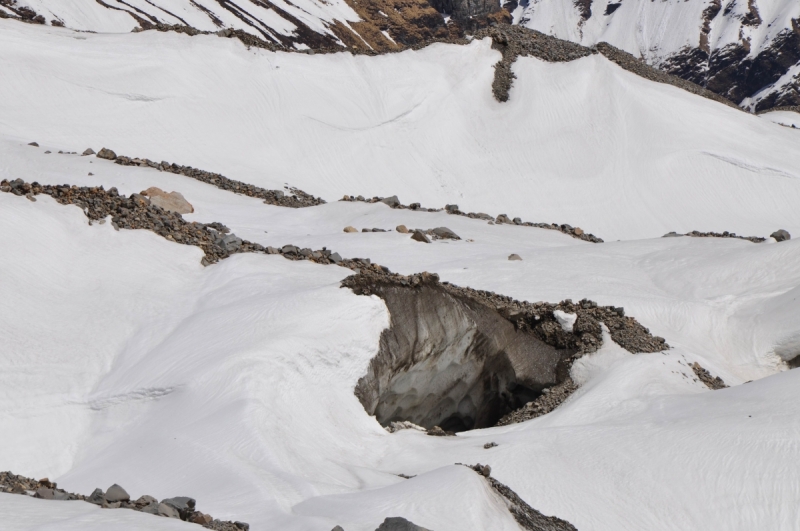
[(453, 362)]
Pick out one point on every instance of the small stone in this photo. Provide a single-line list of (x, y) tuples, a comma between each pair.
[(87, 152), (781, 235), (366, 230), (30, 197), (577, 231), (402, 229), (514, 257), (289, 249), (489, 445), (91, 174), (517, 221), (444, 232), (420, 237), (451, 208), (34, 144), (106, 154), (350, 229), (273, 250), (116, 493), (437, 431), (486, 471), (201, 519), (47, 152)]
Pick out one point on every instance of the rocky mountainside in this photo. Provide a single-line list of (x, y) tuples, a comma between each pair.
[(746, 51)]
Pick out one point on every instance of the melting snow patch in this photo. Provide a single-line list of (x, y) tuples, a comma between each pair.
[(566, 320)]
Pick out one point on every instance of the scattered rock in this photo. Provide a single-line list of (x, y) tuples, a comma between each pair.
[(781, 235), (115, 493), (419, 236), (350, 229), (514, 257), (399, 524), (87, 152), (106, 154), (402, 229), (489, 445), (526, 516), (173, 201), (711, 382), (34, 144)]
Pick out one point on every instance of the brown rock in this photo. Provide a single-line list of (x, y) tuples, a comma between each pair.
[(173, 201), (350, 229), (202, 519), (401, 229), (514, 257), (106, 154), (420, 237), (577, 231)]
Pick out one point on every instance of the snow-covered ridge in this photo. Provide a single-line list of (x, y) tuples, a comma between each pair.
[(747, 51)]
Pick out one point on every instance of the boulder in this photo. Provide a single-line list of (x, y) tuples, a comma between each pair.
[(115, 493), (393, 201), (181, 503), (502, 218), (399, 524), (420, 237), (96, 497), (451, 208), (106, 154), (44, 493), (34, 144), (781, 235), (350, 229), (172, 201), (289, 249), (514, 257), (444, 232), (335, 258), (577, 231), (167, 511), (88, 151), (402, 229), (517, 221), (201, 519)]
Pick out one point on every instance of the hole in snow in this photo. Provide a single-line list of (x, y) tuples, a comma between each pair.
[(450, 361)]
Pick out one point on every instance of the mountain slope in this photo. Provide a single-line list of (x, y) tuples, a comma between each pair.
[(739, 49)]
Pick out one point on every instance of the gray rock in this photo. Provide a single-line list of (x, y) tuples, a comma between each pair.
[(781, 235), (502, 218), (451, 208), (106, 154), (44, 493), (61, 495), (96, 497), (116, 493), (230, 243), (444, 232), (514, 257), (399, 524), (244, 526), (151, 508), (393, 201), (34, 144), (111, 505), (273, 250), (225, 33), (672, 234), (420, 237), (146, 500), (181, 503), (517, 221), (335, 258), (337, 528), (167, 511), (88, 151)]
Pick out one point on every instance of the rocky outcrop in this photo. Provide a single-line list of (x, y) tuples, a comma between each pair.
[(182, 507), (460, 358)]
